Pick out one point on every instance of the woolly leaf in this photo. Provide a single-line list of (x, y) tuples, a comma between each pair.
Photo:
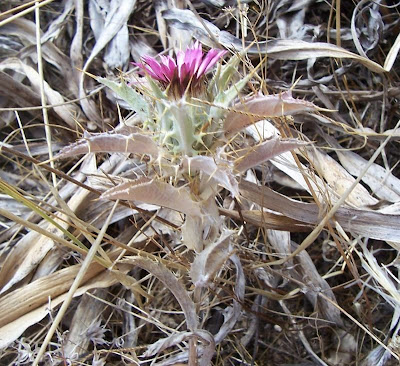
[(129, 95)]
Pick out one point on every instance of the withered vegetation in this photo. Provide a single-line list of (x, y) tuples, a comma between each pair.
[(272, 241)]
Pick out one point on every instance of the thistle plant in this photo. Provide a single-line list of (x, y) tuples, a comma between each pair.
[(188, 111)]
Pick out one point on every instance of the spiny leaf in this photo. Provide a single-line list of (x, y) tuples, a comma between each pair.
[(129, 95), (156, 193), (258, 154), (135, 143), (260, 107)]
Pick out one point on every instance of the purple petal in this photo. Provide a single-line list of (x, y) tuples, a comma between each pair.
[(153, 68), (168, 67), (210, 60), (193, 58)]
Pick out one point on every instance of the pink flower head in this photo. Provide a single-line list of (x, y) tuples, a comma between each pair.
[(184, 72)]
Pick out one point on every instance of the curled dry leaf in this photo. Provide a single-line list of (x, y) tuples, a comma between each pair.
[(315, 285), (117, 50), (66, 112), (25, 30), (157, 193), (232, 315), (113, 23), (86, 314), (259, 107), (256, 155), (135, 143), (164, 275), (305, 271), (24, 257), (210, 260)]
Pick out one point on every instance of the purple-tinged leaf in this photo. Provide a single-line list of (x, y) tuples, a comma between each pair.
[(135, 143), (259, 107), (156, 193), (268, 149)]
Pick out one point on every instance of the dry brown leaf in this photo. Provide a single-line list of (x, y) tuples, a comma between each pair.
[(253, 109), (114, 22), (315, 284), (382, 182), (26, 30), (32, 248), (67, 112), (117, 50), (156, 193), (267, 220), (86, 314), (22, 300), (366, 223), (134, 143), (282, 49), (258, 154), (24, 257), (32, 314), (232, 314)]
